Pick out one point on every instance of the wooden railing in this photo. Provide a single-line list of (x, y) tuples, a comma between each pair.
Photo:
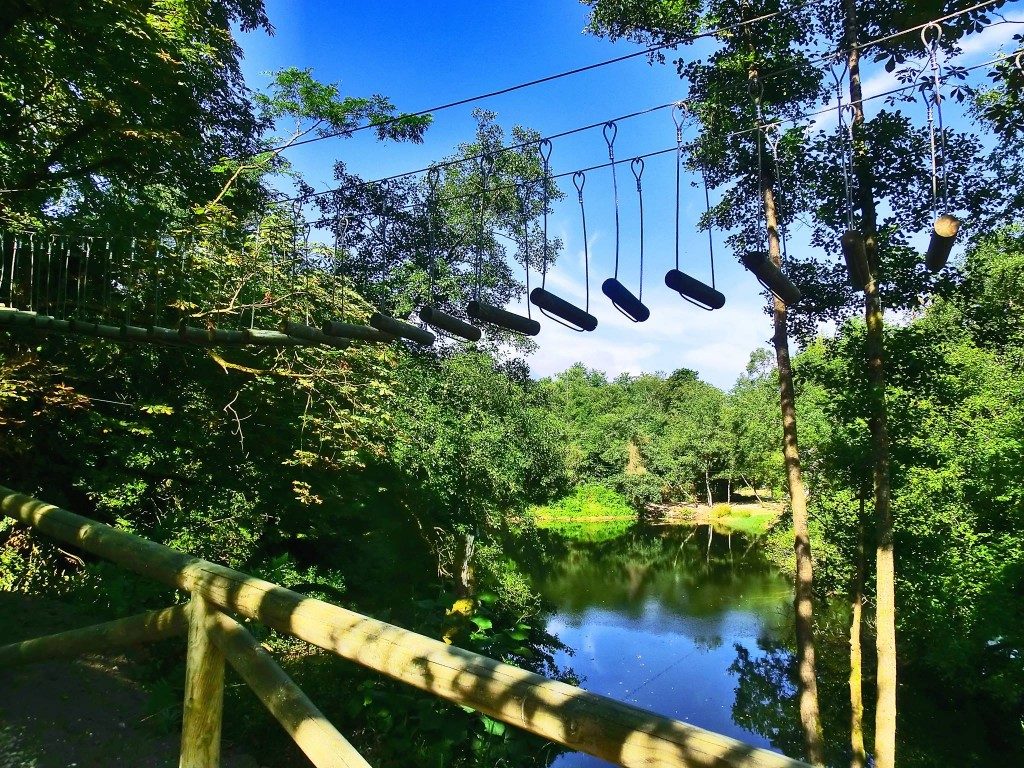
[(561, 713)]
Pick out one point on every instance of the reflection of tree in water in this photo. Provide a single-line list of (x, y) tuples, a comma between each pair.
[(766, 701), (935, 727), (667, 564)]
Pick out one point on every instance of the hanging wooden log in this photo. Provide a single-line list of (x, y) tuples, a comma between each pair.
[(450, 323), (856, 256), (941, 243), (17, 317), (164, 336), (97, 330), (314, 335), (563, 309), (487, 313), (622, 298), (397, 328), (262, 338), (692, 289), (52, 324), (353, 331), (770, 276), (134, 333)]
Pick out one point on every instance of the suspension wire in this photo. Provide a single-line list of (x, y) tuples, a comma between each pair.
[(773, 141), (732, 134), (130, 298), (845, 153), (707, 213), (610, 131), (83, 284), (47, 299), (932, 47), (523, 197), (754, 88), (677, 119), (31, 271), (711, 33), (431, 204), (544, 149), (486, 166), (495, 153), (645, 52), (636, 165), (449, 105), (586, 247)]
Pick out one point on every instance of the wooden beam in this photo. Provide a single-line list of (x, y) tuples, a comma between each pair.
[(611, 730), (204, 689), (99, 638), (312, 732)]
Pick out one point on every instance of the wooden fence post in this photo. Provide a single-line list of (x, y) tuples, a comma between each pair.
[(204, 690)]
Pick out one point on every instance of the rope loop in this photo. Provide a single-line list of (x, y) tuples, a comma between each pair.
[(636, 165), (1018, 61), (544, 149), (931, 45), (579, 179), (610, 131), (678, 110)]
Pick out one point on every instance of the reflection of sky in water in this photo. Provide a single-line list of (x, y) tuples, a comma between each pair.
[(664, 653)]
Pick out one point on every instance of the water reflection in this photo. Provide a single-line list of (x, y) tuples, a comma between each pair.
[(655, 616)]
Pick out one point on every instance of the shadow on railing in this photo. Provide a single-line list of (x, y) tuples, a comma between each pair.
[(583, 721)]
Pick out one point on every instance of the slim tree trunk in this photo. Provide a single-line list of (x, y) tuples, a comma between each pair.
[(885, 568), (859, 757), (707, 486), (810, 720), (464, 581)]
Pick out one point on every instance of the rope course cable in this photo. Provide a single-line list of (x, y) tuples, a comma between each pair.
[(530, 83)]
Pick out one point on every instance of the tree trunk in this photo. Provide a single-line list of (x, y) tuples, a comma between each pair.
[(810, 720), (464, 582), (707, 486), (885, 586), (859, 757)]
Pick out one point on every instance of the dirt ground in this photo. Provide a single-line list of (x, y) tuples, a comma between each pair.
[(85, 713)]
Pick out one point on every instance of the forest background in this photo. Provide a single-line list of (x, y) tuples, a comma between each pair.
[(398, 480)]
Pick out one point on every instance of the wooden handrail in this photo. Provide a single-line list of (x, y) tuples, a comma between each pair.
[(567, 715)]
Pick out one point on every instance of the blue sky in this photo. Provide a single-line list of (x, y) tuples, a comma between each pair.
[(421, 54)]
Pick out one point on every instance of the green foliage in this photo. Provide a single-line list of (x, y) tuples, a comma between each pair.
[(588, 500)]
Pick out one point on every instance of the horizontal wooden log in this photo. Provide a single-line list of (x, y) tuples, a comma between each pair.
[(353, 331), (263, 338), (570, 716), (320, 741), (109, 637), (313, 335)]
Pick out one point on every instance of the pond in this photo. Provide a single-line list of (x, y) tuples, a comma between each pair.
[(655, 616)]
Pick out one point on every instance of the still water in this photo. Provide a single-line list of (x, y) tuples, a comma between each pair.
[(655, 616)]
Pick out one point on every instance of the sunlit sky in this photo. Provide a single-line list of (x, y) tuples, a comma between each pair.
[(423, 54)]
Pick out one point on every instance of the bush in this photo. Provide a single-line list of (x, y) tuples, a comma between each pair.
[(588, 500)]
